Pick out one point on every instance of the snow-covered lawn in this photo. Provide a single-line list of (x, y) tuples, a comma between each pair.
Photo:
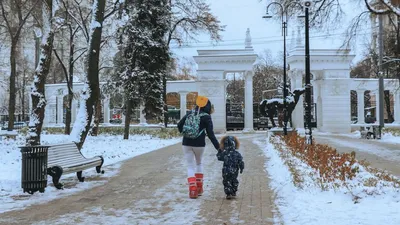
[(310, 205), (113, 148)]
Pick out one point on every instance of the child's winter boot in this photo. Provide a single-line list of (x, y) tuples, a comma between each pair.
[(199, 182), (192, 187)]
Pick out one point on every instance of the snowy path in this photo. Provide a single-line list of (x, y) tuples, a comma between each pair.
[(151, 189), (379, 153)]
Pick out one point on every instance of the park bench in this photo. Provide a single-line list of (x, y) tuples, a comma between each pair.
[(66, 158), (8, 136)]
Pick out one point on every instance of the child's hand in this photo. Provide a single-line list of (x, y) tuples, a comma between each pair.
[(241, 171)]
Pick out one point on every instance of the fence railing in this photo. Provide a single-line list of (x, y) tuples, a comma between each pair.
[(19, 122)]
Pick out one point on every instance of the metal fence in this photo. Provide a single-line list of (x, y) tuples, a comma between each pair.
[(20, 121)]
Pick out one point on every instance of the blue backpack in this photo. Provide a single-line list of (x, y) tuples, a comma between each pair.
[(191, 128)]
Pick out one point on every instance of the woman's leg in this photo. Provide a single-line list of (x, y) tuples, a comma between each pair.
[(198, 152), (190, 160)]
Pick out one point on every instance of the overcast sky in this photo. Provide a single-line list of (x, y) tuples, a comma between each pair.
[(238, 15)]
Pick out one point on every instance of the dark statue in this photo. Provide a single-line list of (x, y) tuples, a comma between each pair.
[(270, 107)]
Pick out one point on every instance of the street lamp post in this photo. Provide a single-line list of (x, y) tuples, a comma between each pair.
[(284, 18), (381, 85), (308, 129)]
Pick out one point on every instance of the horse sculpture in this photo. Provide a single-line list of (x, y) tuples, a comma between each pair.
[(269, 107)]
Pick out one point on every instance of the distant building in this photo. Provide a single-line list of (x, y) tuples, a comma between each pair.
[(387, 22)]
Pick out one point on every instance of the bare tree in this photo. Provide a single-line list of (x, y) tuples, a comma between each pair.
[(50, 7), (15, 14), (189, 18), (267, 75), (75, 20), (91, 92), (383, 7)]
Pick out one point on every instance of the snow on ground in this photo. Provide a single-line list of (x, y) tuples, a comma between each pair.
[(371, 146), (181, 209), (390, 138), (113, 148), (311, 206)]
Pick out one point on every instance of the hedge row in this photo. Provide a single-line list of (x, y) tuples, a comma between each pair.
[(330, 164), (164, 133)]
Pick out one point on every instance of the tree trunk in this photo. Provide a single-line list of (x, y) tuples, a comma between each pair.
[(165, 100), (97, 116), (12, 95), (91, 92), (398, 47), (128, 110), (39, 81), (23, 97), (68, 116), (387, 104)]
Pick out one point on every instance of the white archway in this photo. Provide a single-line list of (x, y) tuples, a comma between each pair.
[(331, 88), (213, 65), (54, 108)]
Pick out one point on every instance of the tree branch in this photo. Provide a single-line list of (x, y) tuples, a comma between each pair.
[(115, 8), (73, 62), (375, 11), (62, 65)]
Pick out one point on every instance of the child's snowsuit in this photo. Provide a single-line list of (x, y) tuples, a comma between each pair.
[(233, 162)]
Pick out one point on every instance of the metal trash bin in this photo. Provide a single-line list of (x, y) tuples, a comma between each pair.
[(34, 168)]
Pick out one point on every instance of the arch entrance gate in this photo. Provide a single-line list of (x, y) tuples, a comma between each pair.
[(213, 66)]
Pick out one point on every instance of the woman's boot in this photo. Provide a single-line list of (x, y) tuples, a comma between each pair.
[(199, 183), (192, 187)]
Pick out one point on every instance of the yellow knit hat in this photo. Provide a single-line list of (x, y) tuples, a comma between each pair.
[(201, 101)]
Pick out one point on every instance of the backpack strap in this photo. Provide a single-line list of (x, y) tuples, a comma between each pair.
[(202, 114)]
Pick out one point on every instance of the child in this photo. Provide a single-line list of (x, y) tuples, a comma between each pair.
[(233, 162)]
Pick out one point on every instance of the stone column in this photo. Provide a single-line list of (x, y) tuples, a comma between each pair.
[(317, 100), (73, 110), (142, 118), (298, 112), (60, 109), (335, 94), (183, 103), (376, 93), (214, 90), (106, 109), (396, 113), (360, 106), (248, 102)]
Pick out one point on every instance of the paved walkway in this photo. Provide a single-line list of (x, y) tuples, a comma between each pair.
[(151, 189), (380, 154)]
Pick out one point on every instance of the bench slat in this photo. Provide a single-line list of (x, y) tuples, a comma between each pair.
[(70, 159), (57, 156), (80, 168), (65, 156), (68, 162)]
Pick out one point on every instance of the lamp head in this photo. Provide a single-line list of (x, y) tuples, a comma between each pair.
[(268, 16)]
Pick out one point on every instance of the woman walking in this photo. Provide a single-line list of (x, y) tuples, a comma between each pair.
[(194, 126)]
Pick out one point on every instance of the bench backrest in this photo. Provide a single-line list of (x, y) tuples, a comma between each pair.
[(58, 154)]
